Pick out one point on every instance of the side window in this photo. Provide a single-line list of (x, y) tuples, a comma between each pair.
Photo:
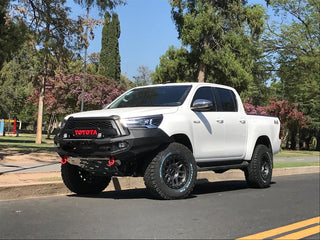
[(205, 93), (227, 101)]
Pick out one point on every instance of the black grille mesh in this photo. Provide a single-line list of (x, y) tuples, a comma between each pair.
[(102, 124)]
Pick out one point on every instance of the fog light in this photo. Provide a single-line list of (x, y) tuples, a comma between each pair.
[(122, 145)]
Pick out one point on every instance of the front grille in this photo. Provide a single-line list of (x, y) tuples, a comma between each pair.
[(104, 127), (76, 123)]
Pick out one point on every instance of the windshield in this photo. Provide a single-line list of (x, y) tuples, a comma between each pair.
[(153, 96)]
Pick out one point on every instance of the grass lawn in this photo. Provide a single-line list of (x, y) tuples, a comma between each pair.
[(292, 153), (25, 143), (295, 164)]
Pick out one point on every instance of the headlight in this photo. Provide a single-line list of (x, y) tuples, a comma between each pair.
[(143, 122), (62, 124)]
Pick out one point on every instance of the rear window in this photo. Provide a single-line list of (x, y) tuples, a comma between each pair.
[(153, 96), (227, 101)]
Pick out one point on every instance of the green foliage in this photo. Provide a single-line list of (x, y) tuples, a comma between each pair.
[(174, 66), (109, 65), (93, 66), (16, 79), (102, 5), (13, 33), (126, 82), (297, 48), (221, 40)]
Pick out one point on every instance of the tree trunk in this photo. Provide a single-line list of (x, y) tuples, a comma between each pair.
[(201, 74), (44, 76), (297, 140), (40, 112)]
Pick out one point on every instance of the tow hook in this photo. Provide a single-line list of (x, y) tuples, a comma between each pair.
[(111, 161), (64, 160)]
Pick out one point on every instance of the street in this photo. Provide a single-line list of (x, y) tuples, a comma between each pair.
[(219, 210)]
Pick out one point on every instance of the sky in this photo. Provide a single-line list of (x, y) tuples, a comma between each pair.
[(147, 31)]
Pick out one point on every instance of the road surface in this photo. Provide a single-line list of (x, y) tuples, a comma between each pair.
[(219, 210)]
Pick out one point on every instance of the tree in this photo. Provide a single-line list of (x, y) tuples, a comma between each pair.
[(126, 82), (292, 121), (174, 66), (16, 79), (223, 38), (64, 95), (13, 33), (252, 109), (53, 32), (144, 77), (93, 66), (296, 47), (90, 23), (109, 65)]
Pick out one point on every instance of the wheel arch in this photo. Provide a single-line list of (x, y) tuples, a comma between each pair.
[(263, 140), (182, 139)]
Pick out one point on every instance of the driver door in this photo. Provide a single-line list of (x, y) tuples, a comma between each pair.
[(208, 132)]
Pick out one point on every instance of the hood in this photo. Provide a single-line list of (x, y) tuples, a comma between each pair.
[(125, 112)]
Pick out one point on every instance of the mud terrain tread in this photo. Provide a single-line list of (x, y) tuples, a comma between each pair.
[(152, 181), (253, 171), (71, 178)]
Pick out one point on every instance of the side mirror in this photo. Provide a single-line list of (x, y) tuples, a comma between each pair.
[(201, 105)]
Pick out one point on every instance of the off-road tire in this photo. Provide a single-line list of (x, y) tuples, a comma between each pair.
[(259, 171), (82, 182), (172, 173)]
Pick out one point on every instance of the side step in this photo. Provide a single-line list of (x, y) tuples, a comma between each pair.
[(223, 168)]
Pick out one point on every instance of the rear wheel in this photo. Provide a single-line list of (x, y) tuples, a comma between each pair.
[(259, 171), (82, 182), (172, 173)]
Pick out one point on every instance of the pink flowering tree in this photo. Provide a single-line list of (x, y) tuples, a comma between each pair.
[(63, 96), (250, 109), (292, 121)]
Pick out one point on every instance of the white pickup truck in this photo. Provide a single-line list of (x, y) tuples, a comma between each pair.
[(167, 133)]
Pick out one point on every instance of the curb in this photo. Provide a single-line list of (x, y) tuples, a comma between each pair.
[(35, 190)]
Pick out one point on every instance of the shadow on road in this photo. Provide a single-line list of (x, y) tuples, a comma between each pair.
[(138, 193), (200, 189)]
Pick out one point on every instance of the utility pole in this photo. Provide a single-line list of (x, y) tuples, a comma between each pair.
[(84, 77), (85, 61)]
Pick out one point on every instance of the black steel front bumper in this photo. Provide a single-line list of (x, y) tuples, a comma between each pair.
[(138, 141)]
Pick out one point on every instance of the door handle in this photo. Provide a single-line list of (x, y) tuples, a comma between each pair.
[(220, 120), (242, 121)]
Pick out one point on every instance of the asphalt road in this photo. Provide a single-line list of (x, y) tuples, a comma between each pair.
[(219, 210)]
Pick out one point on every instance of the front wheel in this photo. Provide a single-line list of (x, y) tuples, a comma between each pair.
[(172, 173), (82, 182), (259, 171)]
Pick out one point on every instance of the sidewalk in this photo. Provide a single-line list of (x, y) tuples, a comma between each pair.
[(38, 174)]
